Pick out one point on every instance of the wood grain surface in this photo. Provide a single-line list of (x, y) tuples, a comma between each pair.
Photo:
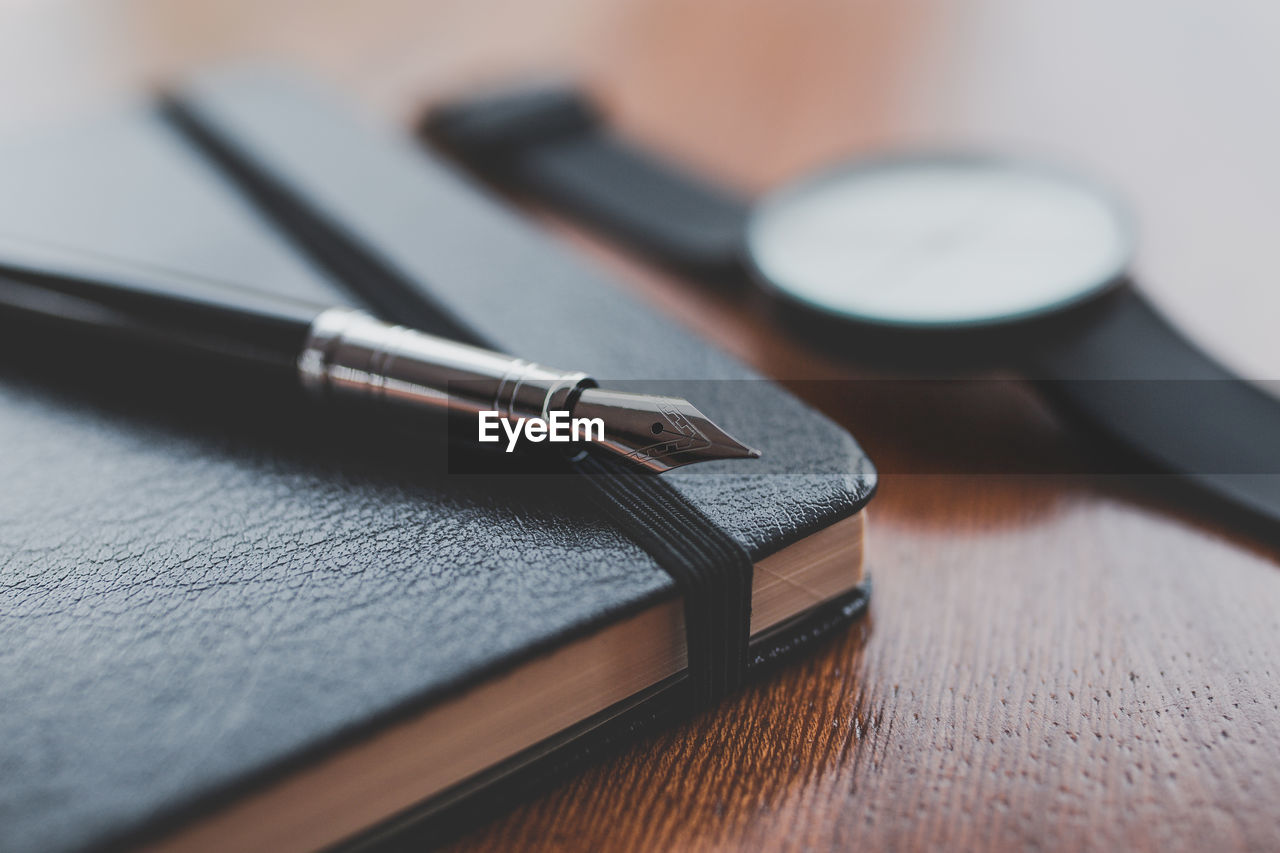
[(1053, 661)]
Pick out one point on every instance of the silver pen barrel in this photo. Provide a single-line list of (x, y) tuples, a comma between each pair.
[(351, 354)]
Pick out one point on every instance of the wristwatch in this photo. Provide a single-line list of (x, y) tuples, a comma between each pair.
[(952, 258)]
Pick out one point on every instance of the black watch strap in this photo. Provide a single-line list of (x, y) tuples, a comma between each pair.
[(552, 144), (1125, 370)]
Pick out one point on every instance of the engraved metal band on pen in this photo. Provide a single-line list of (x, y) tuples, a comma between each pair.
[(349, 353)]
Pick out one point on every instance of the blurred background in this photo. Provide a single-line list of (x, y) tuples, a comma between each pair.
[(1173, 102)]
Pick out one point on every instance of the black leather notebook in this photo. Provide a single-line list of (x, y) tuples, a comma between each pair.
[(235, 626)]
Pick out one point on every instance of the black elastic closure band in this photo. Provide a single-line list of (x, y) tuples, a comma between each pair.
[(325, 243), (711, 570)]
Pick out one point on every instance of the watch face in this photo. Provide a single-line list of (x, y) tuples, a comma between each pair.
[(939, 241)]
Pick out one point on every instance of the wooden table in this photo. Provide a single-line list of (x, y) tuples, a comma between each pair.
[(1052, 661)]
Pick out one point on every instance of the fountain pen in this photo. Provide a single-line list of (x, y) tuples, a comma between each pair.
[(343, 353)]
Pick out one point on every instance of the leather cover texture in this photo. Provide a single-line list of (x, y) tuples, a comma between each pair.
[(195, 594)]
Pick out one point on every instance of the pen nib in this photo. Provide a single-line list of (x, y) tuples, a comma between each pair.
[(658, 433)]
